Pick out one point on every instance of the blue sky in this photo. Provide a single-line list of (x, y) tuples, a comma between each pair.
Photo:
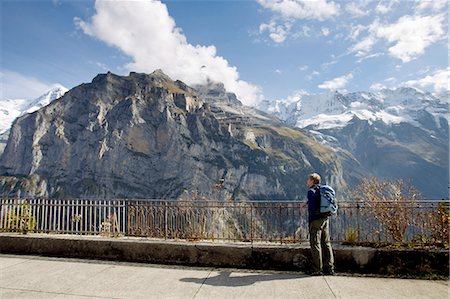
[(260, 49)]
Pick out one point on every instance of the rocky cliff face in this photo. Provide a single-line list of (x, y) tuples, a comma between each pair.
[(150, 137)]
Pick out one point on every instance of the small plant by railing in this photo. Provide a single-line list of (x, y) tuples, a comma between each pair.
[(19, 218), (351, 236), (247, 221)]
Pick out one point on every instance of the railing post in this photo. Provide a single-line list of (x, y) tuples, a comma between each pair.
[(251, 224), (357, 219), (165, 220), (281, 225)]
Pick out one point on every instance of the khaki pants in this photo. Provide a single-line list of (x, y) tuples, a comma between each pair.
[(319, 240)]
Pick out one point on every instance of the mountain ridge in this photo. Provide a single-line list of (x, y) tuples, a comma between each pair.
[(145, 135), (394, 134)]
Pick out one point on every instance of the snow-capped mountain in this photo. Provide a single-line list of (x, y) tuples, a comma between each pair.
[(335, 110), (10, 109), (146, 135), (401, 133)]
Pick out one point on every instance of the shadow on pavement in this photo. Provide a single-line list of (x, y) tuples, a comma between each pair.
[(224, 279)]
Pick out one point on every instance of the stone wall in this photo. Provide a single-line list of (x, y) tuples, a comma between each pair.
[(413, 263)]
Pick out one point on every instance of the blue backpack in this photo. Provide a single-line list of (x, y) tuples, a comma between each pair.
[(328, 203)]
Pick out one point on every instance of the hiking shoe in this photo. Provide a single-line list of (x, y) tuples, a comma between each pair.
[(314, 273), (329, 272)]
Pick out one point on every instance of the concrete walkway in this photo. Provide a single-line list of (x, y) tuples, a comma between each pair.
[(40, 277)]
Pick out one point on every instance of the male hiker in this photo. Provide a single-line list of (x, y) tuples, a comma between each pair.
[(319, 231)]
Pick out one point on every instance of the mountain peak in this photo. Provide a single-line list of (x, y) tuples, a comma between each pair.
[(160, 73), (215, 92), (54, 93), (10, 109)]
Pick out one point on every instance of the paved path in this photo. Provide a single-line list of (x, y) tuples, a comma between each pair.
[(39, 277)]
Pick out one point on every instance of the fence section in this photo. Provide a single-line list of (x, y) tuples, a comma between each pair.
[(250, 221), (66, 216)]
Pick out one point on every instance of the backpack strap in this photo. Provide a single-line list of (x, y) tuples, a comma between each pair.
[(317, 188)]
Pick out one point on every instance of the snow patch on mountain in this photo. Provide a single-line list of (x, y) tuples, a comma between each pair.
[(10, 109), (336, 110)]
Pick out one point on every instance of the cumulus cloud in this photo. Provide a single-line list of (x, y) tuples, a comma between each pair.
[(289, 11), (302, 9), (306, 31), (377, 86), (357, 9), (355, 31), (19, 86), (277, 33), (312, 75), (146, 32), (433, 5), (336, 83), (437, 81), (325, 31), (364, 46), (385, 6), (409, 36)]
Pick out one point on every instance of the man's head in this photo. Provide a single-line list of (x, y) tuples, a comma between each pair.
[(313, 179)]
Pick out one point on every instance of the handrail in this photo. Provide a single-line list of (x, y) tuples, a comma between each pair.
[(252, 221)]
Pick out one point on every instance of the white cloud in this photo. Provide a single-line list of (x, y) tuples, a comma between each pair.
[(325, 31), (336, 83), (411, 35), (369, 56), (357, 9), (336, 37), (326, 65), (364, 46), (303, 67), (385, 6), (146, 32), (306, 31), (312, 75), (102, 66), (302, 9), (278, 71), (18, 86), (277, 33), (437, 81), (433, 5), (377, 86), (355, 31)]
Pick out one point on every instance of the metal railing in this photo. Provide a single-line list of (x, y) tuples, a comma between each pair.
[(249, 221)]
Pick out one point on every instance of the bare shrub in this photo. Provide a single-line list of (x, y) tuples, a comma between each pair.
[(390, 201), (435, 222)]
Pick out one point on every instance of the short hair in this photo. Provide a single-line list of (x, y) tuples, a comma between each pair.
[(315, 177)]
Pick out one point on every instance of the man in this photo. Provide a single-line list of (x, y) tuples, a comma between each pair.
[(319, 230)]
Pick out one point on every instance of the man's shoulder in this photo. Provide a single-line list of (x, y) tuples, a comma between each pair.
[(314, 188), (312, 191)]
